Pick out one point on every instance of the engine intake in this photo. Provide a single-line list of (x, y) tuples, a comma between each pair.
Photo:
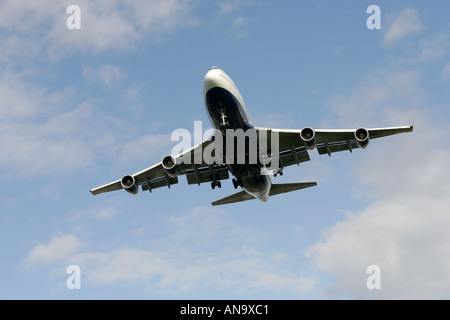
[(362, 137), (170, 166), (308, 136), (129, 184)]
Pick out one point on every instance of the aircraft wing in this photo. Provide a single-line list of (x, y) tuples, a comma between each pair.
[(293, 149), (189, 163)]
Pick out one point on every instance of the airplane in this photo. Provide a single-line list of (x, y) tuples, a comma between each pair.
[(227, 111)]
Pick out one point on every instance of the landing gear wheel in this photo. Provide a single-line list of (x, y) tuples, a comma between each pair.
[(215, 184), (278, 172), (223, 118), (237, 183)]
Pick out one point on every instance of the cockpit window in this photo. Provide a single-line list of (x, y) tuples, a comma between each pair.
[(214, 68)]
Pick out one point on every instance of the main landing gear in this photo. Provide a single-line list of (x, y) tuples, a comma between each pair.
[(237, 183), (215, 184), (278, 172)]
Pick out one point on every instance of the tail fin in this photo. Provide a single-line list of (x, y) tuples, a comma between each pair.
[(274, 190)]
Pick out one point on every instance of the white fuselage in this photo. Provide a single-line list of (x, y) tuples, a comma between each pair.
[(226, 109)]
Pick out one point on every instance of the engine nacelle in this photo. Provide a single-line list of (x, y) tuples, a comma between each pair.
[(170, 166), (308, 136), (362, 137), (129, 184)]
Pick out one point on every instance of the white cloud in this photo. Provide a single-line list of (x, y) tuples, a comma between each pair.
[(446, 71), (131, 101), (240, 28), (52, 145), (198, 250), (405, 230), (228, 6), (139, 148), (428, 50), (59, 248), (53, 133), (39, 27), (434, 48), (408, 240), (378, 94), (19, 99), (107, 74), (38, 132), (407, 22)]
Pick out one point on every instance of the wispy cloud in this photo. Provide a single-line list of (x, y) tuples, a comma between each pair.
[(229, 6), (57, 249), (406, 23), (405, 229), (446, 71), (114, 24), (198, 249), (374, 96), (240, 28), (56, 133), (106, 74)]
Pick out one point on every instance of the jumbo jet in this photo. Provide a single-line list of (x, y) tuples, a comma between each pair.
[(227, 111)]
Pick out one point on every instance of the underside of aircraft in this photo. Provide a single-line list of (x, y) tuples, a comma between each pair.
[(251, 154)]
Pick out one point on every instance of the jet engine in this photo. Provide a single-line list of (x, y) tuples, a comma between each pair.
[(308, 136), (170, 166), (129, 184), (362, 137)]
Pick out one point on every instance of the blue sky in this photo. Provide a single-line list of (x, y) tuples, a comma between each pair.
[(80, 108)]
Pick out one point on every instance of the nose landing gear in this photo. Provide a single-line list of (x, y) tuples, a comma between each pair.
[(223, 118)]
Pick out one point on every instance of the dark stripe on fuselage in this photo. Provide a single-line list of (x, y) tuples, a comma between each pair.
[(219, 103), (220, 100), (226, 112)]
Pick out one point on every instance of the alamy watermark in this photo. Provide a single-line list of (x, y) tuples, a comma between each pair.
[(374, 280), (74, 280), (236, 146), (73, 22), (374, 21)]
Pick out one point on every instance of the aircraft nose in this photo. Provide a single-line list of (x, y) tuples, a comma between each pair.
[(212, 79)]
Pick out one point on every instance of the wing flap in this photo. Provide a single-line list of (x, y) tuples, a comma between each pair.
[(165, 181), (328, 148), (207, 174), (293, 156)]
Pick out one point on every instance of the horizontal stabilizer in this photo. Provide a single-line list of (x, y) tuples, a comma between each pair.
[(237, 197), (274, 190), (288, 187)]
